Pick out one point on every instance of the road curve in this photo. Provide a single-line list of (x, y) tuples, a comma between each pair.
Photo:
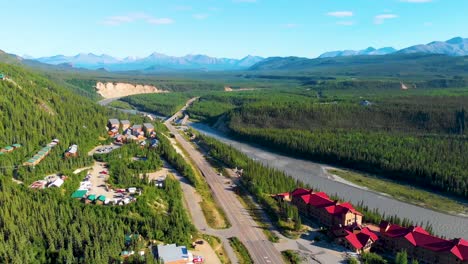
[(243, 226)]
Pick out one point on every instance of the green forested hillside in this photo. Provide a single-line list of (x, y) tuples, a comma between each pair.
[(33, 111), (393, 65), (48, 226), (418, 139), (163, 104)]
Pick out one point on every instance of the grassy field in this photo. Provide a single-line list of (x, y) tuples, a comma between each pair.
[(217, 246), (404, 193), (241, 251)]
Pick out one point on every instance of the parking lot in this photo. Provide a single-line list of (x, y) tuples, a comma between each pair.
[(103, 149), (97, 184)]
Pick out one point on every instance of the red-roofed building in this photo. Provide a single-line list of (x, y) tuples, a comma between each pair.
[(419, 244), (460, 249), (319, 206), (300, 198), (355, 237), (342, 214), (300, 191)]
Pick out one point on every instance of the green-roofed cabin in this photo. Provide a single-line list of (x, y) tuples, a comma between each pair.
[(91, 198), (2, 77), (16, 146), (80, 194), (101, 199), (8, 149)]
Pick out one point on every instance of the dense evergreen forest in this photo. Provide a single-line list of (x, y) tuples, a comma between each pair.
[(418, 139), (262, 182), (33, 111), (47, 226), (163, 104)]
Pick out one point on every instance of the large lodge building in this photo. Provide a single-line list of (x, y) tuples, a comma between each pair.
[(346, 227)]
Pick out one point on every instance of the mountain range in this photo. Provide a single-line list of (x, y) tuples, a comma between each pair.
[(154, 62), (368, 51), (454, 47), (157, 62)]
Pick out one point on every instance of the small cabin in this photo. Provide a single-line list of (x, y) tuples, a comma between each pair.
[(113, 124), (125, 124), (2, 76), (148, 128), (72, 151)]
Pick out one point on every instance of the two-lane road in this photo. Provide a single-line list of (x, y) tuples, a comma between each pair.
[(243, 226)]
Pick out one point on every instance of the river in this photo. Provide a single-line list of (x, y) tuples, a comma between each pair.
[(314, 174)]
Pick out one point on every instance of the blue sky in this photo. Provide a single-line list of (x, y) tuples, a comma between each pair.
[(224, 28)]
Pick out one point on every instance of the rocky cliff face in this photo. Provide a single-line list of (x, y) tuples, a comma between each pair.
[(113, 90)]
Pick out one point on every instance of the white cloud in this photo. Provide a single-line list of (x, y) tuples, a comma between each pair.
[(340, 14), (345, 23), (416, 1), (200, 16), (117, 20), (133, 17), (380, 19), (160, 21)]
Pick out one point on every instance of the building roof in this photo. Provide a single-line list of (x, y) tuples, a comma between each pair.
[(172, 252), (101, 198), (114, 121), (92, 197), (57, 183), (300, 191), (460, 249), (341, 209), (359, 236), (419, 237), (79, 194), (136, 127), (73, 149), (16, 145), (370, 233), (320, 199), (148, 125), (394, 231), (8, 148), (125, 122)]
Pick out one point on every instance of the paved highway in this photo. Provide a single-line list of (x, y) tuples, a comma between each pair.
[(243, 226)]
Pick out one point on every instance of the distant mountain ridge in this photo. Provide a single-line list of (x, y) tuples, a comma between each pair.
[(368, 51), (453, 47), (153, 62)]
